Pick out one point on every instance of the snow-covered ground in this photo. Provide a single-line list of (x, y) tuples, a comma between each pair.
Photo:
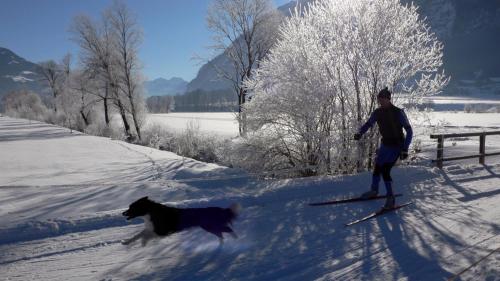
[(218, 123), (224, 123), (62, 194)]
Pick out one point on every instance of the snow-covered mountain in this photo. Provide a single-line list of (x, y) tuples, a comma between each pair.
[(469, 29), (16, 73), (164, 87)]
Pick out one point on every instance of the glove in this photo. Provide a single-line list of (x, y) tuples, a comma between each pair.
[(357, 136), (404, 154)]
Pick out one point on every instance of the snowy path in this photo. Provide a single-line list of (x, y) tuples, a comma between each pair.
[(65, 223)]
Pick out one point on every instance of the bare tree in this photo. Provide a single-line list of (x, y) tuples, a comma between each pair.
[(126, 38), (244, 30), (95, 56), (100, 57), (86, 94), (52, 74)]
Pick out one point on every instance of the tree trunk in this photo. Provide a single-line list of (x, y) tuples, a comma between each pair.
[(241, 115), (123, 114), (136, 123), (106, 109), (84, 117)]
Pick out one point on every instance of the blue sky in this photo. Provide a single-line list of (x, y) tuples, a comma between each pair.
[(174, 31)]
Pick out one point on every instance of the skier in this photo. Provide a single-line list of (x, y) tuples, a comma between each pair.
[(391, 120)]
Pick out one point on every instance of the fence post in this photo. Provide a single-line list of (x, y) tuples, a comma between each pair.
[(482, 145), (440, 152)]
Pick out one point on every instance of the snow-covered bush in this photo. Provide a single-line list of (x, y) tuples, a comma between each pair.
[(100, 128), (248, 153), (155, 136), (319, 82), (24, 104), (188, 143)]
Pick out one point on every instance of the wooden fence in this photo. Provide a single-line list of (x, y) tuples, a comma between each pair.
[(482, 147)]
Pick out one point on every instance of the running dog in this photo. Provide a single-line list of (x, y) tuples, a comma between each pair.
[(161, 220)]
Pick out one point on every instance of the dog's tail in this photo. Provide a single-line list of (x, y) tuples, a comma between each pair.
[(235, 210)]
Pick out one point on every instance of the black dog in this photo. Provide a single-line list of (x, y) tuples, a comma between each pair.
[(161, 220)]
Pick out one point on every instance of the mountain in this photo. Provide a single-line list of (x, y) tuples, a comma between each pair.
[(207, 78), (17, 73), (470, 32), (469, 29), (164, 87)]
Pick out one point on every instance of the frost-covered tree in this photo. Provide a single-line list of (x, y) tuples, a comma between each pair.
[(320, 80), (126, 39), (95, 57), (52, 74), (56, 77), (85, 95), (244, 30), (109, 54)]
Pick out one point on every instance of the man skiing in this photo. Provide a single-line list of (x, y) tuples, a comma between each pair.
[(390, 120)]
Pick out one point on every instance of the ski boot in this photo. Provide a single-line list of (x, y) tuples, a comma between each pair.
[(390, 202), (369, 194)]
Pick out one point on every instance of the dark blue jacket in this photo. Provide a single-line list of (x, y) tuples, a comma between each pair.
[(391, 122)]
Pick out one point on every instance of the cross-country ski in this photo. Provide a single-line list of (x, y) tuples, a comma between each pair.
[(349, 200), (380, 212)]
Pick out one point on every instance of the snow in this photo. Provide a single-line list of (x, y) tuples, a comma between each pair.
[(480, 120), (19, 78), (486, 99), (62, 194), (224, 123), (219, 123)]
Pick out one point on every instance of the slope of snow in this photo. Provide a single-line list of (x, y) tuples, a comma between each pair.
[(62, 195)]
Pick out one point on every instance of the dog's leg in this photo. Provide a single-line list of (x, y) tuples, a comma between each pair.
[(215, 232), (230, 231), (135, 237), (221, 238), (146, 237)]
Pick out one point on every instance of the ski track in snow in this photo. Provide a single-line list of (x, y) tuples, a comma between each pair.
[(73, 231)]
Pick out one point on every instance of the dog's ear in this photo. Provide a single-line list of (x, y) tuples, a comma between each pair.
[(144, 198)]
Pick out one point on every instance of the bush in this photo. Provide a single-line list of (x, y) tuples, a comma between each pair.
[(24, 104), (103, 130), (189, 143), (248, 153)]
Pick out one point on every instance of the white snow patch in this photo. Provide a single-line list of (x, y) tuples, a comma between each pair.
[(18, 78)]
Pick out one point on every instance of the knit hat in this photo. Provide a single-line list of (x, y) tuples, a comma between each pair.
[(384, 93)]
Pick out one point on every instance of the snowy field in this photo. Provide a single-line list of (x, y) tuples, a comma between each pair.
[(217, 123), (62, 195), (449, 110)]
